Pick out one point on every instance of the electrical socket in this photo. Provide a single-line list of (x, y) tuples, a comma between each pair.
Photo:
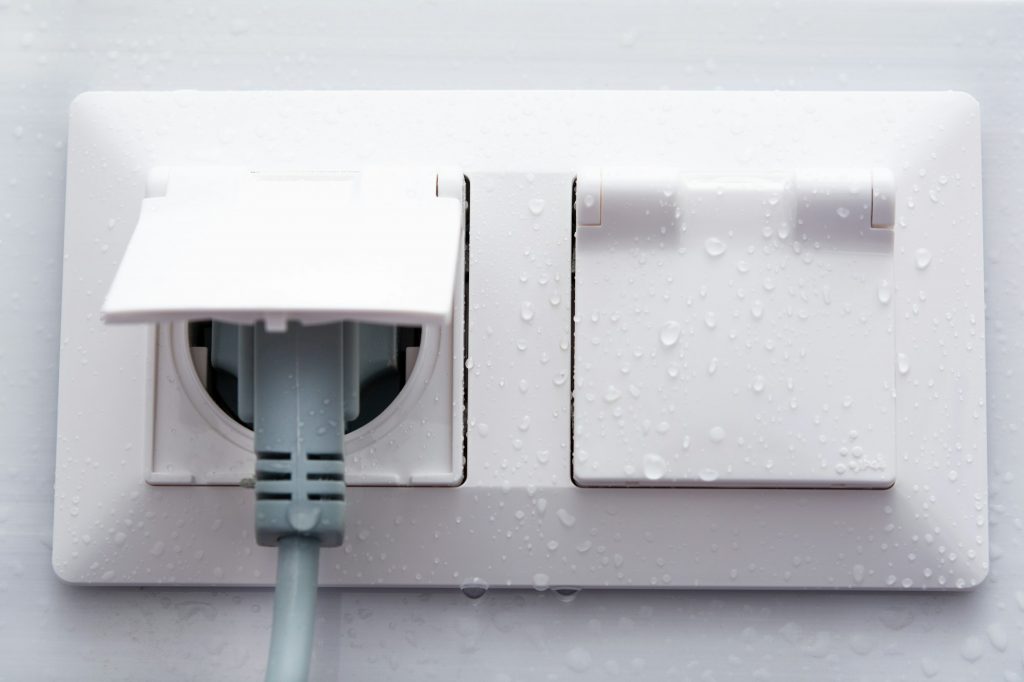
[(519, 519)]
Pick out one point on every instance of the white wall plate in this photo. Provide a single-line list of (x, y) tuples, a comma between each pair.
[(916, 518)]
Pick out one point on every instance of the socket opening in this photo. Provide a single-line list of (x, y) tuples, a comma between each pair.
[(387, 357)]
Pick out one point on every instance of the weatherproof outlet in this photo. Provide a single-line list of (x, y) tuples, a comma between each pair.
[(218, 225), (715, 340)]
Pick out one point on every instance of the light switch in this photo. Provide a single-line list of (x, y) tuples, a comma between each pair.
[(734, 331)]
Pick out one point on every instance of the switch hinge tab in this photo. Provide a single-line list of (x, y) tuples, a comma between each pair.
[(850, 198)]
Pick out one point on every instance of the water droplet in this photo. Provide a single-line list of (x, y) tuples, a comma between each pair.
[(567, 519), (922, 258), (670, 334), (540, 581), (536, 206), (654, 466), (474, 588), (998, 637), (758, 384), (566, 594), (972, 649), (843, 212), (526, 311), (578, 659), (714, 246), (902, 363), (708, 475), (710, 320), (884, 292), (716, 434)]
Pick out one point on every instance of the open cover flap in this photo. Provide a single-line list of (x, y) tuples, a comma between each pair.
[(241, 246)]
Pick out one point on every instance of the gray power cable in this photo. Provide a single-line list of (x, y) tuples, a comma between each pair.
[(298, 423), (299, 389), (291, 642)]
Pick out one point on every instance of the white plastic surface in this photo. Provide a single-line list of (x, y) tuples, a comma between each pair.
[(519, 519), (734, 331), (239, 245)]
